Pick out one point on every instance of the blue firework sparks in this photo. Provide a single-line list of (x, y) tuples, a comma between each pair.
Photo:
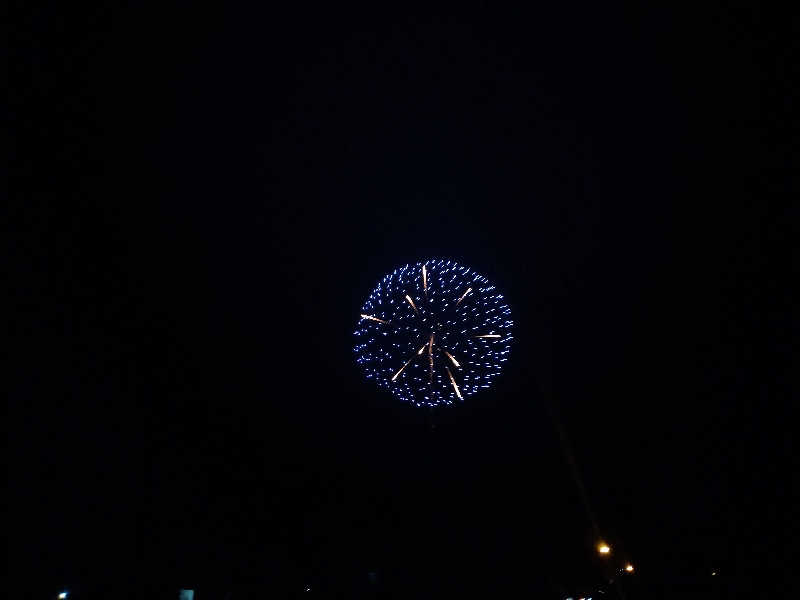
[(433, 333)]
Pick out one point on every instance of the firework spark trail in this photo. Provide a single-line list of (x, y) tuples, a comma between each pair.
[(411, 302), (463, 295), (430, 356), (453, 360), (453, 381), (371, 318), (396, 375)]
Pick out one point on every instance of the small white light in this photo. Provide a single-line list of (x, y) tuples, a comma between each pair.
[(63, 596)]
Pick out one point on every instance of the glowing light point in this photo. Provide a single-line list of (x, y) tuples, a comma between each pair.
[(629, 568), (411, 302), (63, 596), (603, 548)]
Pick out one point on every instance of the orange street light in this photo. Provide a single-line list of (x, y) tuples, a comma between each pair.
[(603, 548), (629, 568)]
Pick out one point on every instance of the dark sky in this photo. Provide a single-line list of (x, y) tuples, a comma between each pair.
[(211, 195)]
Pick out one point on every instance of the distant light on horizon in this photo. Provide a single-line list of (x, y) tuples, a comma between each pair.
[(629, 568), (63, 595), (603, 548)]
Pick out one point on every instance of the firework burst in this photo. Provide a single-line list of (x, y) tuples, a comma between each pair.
[(433, 333)]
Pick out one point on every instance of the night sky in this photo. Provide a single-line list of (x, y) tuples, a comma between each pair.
[(209, 197)]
